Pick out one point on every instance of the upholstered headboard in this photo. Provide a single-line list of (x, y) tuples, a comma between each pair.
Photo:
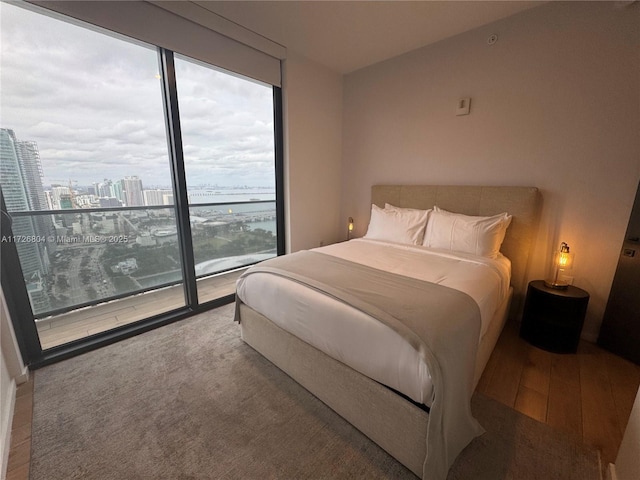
[(522, 202)]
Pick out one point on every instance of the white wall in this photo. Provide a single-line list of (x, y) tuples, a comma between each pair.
[(12, 373), (555, 104), (313, 149), (7, 404), (627, 466)]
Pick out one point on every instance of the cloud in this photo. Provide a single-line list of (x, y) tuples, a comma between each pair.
[(93, 104)]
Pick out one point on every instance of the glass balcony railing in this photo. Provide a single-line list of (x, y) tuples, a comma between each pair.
[(81, 257), (227, 236)]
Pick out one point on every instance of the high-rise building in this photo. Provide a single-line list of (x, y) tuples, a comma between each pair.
[(118, 191), (104, 189), (29, 157), (133, 191), (155, 197), (18, 170), (49, 197), (13, 188)]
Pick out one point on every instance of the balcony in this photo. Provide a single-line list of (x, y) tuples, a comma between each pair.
[(91, 270), (77, 324)]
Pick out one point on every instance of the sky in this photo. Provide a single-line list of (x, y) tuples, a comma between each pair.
[(93, 104)]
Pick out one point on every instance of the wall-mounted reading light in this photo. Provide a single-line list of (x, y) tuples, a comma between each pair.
[(350, 228), (562, 263)]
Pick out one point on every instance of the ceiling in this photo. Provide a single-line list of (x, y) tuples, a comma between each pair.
[(348, 35)]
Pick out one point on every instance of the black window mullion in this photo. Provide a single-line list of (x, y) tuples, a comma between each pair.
[(16, 296), (181, 199), (279, 169)]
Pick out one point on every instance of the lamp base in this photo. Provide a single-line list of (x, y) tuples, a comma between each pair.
[(556, 285)]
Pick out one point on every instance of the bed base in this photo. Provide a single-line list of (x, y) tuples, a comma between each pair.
[(392, 422)]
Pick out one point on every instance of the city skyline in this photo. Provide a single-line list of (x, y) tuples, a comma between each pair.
[(98, 194)]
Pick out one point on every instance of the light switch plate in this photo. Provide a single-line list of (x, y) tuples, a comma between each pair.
[(463, 106)]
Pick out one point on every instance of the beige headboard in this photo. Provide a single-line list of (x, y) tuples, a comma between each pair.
[(522, 202)]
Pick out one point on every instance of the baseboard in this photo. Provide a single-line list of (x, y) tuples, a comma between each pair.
[(8, 409), (23, 377)]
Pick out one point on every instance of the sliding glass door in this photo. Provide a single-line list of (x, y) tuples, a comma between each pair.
[(138, 184)]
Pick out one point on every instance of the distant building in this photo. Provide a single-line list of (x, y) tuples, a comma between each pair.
[(65, 201), (30, 158), (133, 196), (165, 236), (86, 201), (49, 197), (145, 240), (118, 191), (126, 267), (22, 190), (156, 197), (37, 294), (109, 202), (103, 189), (129, 266), (56, 192)]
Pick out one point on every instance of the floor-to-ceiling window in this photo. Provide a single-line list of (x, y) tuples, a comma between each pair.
[(227, 133), (136, 187)]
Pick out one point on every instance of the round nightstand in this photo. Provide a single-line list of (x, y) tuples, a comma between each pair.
[(553, 318)]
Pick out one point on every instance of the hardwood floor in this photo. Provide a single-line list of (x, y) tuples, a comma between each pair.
[(20, 449), (588, 395)]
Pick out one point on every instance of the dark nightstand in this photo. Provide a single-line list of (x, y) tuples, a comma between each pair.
[(553, 318)]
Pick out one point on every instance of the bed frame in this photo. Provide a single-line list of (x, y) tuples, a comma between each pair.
[(391, 421)]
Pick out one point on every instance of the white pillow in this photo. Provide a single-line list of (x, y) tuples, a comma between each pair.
[(388, 206), (481, 236), (397, 225)]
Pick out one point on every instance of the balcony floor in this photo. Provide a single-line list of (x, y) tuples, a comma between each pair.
[(88, 321)]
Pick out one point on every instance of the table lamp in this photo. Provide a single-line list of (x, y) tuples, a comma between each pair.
[(562, 262)]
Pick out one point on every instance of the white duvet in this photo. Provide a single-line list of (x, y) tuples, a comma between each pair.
[(355, 338)]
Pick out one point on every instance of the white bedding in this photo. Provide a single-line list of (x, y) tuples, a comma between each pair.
[(358, 340)]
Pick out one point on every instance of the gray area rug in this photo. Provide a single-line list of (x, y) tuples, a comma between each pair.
[(192, 401)]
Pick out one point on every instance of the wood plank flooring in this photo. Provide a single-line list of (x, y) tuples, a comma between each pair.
[(588, 395), (20, 449)]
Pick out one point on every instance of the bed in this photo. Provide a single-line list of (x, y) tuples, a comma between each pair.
[(422, 418)]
